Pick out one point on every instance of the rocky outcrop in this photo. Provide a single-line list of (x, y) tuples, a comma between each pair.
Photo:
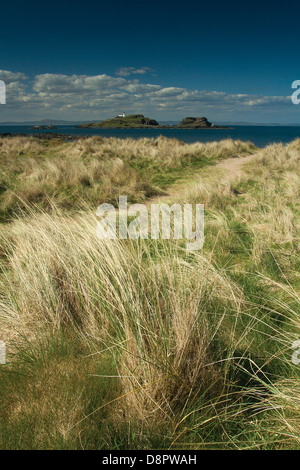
[(195, 123)]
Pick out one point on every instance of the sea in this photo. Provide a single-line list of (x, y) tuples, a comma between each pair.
[(261, 136)]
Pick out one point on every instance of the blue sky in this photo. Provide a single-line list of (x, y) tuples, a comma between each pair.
[(229, 61)]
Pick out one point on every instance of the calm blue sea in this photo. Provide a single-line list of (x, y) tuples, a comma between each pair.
[(259, 135)]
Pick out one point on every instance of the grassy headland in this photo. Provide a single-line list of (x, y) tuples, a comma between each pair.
[(129, 122), (141, 345)]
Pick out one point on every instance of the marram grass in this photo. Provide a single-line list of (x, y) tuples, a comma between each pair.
[(140, 344)]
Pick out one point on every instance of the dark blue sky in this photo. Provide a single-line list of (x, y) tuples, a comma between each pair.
[(230, 47)]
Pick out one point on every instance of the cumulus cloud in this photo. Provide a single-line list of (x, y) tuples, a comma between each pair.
[(84, 97), (58, 83), (126, 71), (11, 77)]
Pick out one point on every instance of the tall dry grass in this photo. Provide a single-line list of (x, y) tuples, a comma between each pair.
[(196, 347), (168, 319), (94, 170)]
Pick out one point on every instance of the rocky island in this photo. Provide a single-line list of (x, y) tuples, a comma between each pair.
[(127, 122), (195, 123), (139, 121)]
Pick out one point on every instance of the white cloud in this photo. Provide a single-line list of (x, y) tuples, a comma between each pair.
[(57, 83), (134, 86), (11, 77), (84, 97), (126, 71)]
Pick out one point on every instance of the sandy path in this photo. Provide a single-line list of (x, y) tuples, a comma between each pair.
[(232, 165)]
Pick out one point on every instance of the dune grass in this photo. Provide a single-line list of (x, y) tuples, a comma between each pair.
[(95, 170), (140, 344)]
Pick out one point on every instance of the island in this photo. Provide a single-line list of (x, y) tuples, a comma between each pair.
[(195, 123), (139, 121), (123, 122)]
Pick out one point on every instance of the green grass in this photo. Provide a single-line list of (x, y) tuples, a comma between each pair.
[(56, 381), (73, 176), (142, 345)]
